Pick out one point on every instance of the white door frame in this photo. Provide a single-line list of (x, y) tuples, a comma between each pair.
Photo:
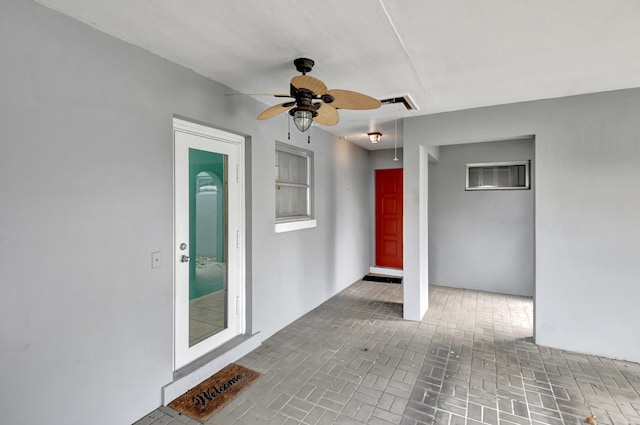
[(190, 135)]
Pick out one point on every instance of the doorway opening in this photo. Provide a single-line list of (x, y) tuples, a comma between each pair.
[(481, 217)]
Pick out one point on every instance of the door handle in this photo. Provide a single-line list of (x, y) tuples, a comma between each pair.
[(184, 258)]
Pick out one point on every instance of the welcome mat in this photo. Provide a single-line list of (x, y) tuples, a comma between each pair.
[(203, 400), (379, 278)]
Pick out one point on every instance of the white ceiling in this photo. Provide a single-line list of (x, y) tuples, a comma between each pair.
[(446, 54)]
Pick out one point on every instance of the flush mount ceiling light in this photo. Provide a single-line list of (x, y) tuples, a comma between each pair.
[(374, 137)]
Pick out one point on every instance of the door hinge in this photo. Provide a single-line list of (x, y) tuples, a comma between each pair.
[(237, 173), (238, 306), (237, 239)]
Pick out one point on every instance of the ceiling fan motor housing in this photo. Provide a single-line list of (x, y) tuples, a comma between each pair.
[(304, 97), (304, 102)]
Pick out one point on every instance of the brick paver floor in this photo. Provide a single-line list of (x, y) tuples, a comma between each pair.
[(471, 360)]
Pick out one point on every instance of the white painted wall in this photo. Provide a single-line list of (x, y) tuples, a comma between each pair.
[(587, 204), (86, 190), (481, 240), (416, 232)]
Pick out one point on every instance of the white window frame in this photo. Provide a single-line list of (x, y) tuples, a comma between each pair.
[(288, 224), (527, 173)]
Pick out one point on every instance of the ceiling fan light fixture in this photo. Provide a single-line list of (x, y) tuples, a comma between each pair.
[(374, 137), (312, 100), (302, 119)]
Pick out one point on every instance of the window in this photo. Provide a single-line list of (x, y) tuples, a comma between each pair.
[(498, 176), (294, 188)]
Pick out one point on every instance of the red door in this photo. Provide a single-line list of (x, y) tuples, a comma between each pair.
[(389, 218)]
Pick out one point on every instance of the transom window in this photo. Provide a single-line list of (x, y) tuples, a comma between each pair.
[(498, 176)]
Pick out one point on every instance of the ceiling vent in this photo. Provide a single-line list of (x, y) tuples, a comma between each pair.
[(406, 100)]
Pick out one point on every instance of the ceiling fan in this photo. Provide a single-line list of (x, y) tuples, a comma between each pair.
[(314, 102)]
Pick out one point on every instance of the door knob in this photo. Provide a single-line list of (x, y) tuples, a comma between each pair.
[(184, 258)]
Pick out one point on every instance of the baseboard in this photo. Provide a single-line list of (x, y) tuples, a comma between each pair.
[(196, 372), (387, 271)]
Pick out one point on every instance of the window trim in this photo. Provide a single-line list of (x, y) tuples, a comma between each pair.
[(292, 223), (527, 172), (289, 226)]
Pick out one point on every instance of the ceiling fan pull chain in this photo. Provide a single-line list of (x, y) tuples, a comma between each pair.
[(289, 126)]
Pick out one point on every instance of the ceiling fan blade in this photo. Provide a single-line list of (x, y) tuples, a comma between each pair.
[(346, 99), (275, 110), (309, 83), (327, 115)]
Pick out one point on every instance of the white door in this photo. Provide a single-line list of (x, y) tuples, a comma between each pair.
[(209, 234)]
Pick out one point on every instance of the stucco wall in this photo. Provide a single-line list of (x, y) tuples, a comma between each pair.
[(587, 204), (86, 173)]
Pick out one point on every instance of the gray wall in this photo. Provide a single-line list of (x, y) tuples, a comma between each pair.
[(86, 189), (587, 204), (480, 239), (381, 159)]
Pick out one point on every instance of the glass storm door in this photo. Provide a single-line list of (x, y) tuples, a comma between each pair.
[(208, 229)]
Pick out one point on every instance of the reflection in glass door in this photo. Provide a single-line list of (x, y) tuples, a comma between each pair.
[(209, 224), (207, 236)]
